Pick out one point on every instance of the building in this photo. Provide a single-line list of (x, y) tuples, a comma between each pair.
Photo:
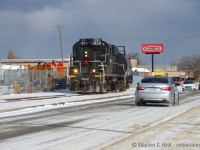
[(33, 62), (169, 70)]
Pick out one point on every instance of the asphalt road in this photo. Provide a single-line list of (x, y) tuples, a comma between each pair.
[(89, 126)]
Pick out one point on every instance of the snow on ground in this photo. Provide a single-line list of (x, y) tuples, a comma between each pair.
[(104, 128), (181, 132), (29, 106), (100, 129)]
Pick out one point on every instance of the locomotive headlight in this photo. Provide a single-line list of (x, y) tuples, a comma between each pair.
[(75, 70), (93, 70), (86, 54)]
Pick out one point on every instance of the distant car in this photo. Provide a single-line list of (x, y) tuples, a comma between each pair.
[(156, 89), (178, 79), (190, 85), (175, 79), (181, 80)]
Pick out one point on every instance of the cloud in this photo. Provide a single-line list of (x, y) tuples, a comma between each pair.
[(29, 25), (28, 6), (45, 20)]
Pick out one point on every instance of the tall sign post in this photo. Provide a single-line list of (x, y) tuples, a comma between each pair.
[(152, 49)]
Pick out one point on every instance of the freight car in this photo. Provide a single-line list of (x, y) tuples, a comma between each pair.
[(96, 66)]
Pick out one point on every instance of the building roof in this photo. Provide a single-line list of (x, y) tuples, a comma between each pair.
[(30, 60), (10, 67), (140, 70), (160, 67)]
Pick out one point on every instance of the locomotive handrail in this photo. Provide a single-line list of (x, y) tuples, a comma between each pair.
[(124, 49), (102, 65), (80, 68), (93, 61), (103, 73), (77, 61), (119, 65)]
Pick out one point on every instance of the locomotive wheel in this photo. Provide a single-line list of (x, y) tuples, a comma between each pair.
[(94, 86), (84, 89), (101, 87), (76, 86), (113, 86), (127, 86), (121, 86)]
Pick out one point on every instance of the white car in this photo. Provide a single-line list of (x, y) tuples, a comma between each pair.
[(190, 85), (156, 89)]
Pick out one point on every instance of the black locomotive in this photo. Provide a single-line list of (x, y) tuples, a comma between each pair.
[(96, 66)]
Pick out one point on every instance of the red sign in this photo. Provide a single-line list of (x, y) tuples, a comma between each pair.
[(152, 48)]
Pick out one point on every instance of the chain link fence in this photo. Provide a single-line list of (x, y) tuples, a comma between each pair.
[(32, 81), (29, 81)]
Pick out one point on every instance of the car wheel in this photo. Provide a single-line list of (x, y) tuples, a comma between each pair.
[(173, 101), (137, 103), (178, 99), (144, 103)]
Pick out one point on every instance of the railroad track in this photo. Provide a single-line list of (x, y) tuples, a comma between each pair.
[(38, 97), (98, 99)]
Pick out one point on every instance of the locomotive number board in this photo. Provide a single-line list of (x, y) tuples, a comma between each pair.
[(90, 42)]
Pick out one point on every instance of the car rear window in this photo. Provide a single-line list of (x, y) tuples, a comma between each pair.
[(155, 80), (188, 82)]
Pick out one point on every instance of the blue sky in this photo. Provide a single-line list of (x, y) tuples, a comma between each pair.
[(28, 27)]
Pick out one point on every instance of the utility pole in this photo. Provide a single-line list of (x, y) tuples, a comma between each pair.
[(60, 27)]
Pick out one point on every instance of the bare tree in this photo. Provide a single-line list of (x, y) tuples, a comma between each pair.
[(190, 64), (11, 54), (196, 66)]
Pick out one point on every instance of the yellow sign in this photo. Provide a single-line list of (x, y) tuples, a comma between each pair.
[(159, 73)]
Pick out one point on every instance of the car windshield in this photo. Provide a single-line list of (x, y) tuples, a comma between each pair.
[(189, 82), (175, 79), (155, 80)]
